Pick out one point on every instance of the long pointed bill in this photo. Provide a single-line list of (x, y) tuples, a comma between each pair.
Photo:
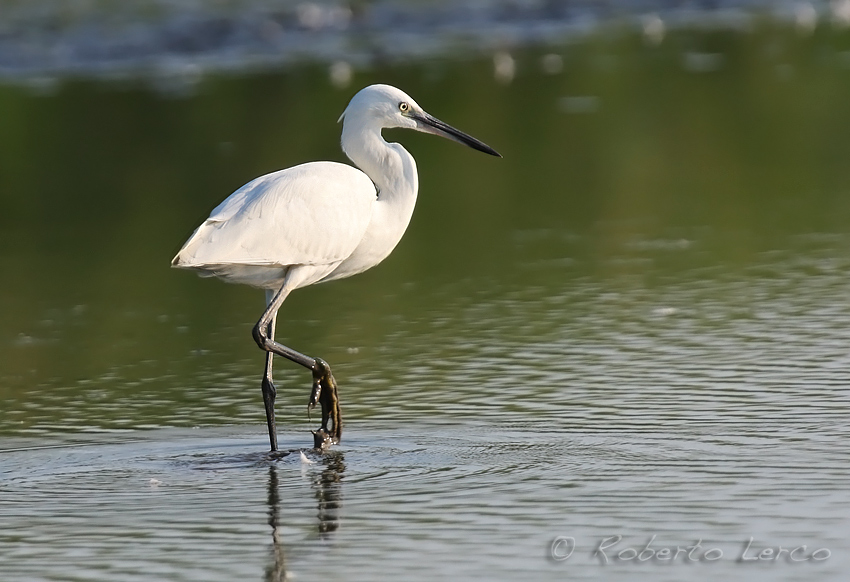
[(430, 124)]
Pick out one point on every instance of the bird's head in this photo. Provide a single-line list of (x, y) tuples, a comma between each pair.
[(385, 106)]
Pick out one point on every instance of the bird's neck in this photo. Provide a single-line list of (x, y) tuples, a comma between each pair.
[(393, 172), (388, 165)]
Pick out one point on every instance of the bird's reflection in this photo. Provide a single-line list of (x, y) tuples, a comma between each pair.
[(327, 488), (276, 571)]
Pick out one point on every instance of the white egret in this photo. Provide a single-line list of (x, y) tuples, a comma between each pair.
[(318, 222)]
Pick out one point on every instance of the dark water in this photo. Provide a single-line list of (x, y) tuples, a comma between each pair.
[(635, 324), (174, 42)]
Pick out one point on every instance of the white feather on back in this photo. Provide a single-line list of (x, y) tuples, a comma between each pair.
[(312, 214)]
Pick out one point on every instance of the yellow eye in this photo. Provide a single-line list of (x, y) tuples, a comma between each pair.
[(403, 107)]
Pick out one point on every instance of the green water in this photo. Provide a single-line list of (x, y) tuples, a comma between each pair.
[(635, 322), (100, 184)]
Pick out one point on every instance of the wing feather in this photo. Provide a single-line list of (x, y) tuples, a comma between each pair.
[(312, 214)]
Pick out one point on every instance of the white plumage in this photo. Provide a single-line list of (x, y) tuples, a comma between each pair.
[(317, 222), (311, 216)]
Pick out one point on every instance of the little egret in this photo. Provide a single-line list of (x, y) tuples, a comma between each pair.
[(318, 222)]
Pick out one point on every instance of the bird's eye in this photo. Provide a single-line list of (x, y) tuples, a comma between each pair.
[(403, 107)]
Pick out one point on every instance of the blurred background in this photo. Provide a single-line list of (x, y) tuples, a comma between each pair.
[(635, 323), (644, 142)]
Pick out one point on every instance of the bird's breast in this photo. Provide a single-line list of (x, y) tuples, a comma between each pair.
[(389, 221)]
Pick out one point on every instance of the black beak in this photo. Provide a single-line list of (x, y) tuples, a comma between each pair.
[(430, 124)]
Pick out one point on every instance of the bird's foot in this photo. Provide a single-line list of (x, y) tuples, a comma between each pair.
[(325, 393)]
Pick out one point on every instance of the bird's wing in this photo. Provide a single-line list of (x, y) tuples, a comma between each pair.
[(312, 214)]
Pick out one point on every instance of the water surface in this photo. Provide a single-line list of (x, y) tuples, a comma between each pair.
[(634, 324)]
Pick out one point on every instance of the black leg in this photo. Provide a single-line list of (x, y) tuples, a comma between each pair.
[(269, 392), (324, 391), (261, 333)]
